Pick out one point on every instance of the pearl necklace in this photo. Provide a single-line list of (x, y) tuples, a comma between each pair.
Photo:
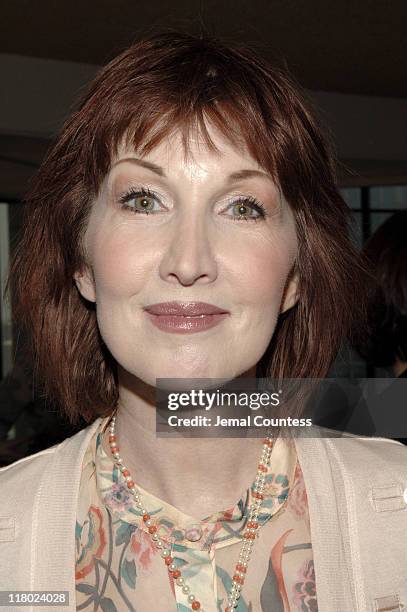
[(248, 537)]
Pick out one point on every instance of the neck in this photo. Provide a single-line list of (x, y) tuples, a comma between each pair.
[(199, 476)]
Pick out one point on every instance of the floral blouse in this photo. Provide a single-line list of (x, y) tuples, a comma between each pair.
[(118, 567)]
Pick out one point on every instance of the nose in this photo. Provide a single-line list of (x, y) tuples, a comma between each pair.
[(189, 257)]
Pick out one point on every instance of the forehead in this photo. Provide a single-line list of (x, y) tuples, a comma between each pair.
[(193, 151)]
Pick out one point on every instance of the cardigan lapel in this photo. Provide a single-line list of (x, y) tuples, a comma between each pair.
[(329, 534), (54, 516)]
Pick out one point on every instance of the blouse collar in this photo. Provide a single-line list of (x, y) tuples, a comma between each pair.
[(221, 528)]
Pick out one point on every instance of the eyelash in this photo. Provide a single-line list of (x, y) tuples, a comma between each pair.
[(145, 192)]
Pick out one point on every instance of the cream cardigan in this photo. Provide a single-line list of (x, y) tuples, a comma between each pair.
[(357, 496)]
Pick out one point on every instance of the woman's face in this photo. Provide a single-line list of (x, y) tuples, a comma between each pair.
[(217, 231)]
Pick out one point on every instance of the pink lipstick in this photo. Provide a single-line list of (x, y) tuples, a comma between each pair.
[(185, 317)]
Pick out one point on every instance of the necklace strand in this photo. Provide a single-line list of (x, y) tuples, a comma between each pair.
[(249, 535)]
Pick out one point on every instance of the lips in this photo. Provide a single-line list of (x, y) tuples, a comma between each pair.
[(186, 309)]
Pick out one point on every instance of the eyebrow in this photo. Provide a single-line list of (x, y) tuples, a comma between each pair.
[(142, 162), (243, 174), (233, 177)]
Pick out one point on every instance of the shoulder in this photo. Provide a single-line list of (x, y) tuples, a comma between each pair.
[(21, 481), (348, 442), (358, 449), (355, 456), (23, 477), (369, 466), (28, 466)]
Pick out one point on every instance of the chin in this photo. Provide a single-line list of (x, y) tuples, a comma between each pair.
[(203, 375)]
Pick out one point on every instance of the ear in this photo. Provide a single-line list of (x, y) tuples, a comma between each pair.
[(290, 295), (85, 283)]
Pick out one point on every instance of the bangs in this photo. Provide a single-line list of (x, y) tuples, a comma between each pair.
[(186, 97), (223, 119)]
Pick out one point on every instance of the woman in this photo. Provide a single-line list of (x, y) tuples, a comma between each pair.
[(187, 224), (385, 346)]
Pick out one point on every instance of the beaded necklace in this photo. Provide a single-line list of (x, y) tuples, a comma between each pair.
[(249, 535)]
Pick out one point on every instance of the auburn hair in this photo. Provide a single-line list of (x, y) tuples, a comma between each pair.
[(166, 82)]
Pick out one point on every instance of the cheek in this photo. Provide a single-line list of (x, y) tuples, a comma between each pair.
[(263, 270), (120, 266)]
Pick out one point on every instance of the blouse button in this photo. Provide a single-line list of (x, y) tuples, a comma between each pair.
[(193, 533)]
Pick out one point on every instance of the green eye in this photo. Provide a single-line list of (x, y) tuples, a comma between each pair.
[(145, 203), (141, 201), (242, 210)]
